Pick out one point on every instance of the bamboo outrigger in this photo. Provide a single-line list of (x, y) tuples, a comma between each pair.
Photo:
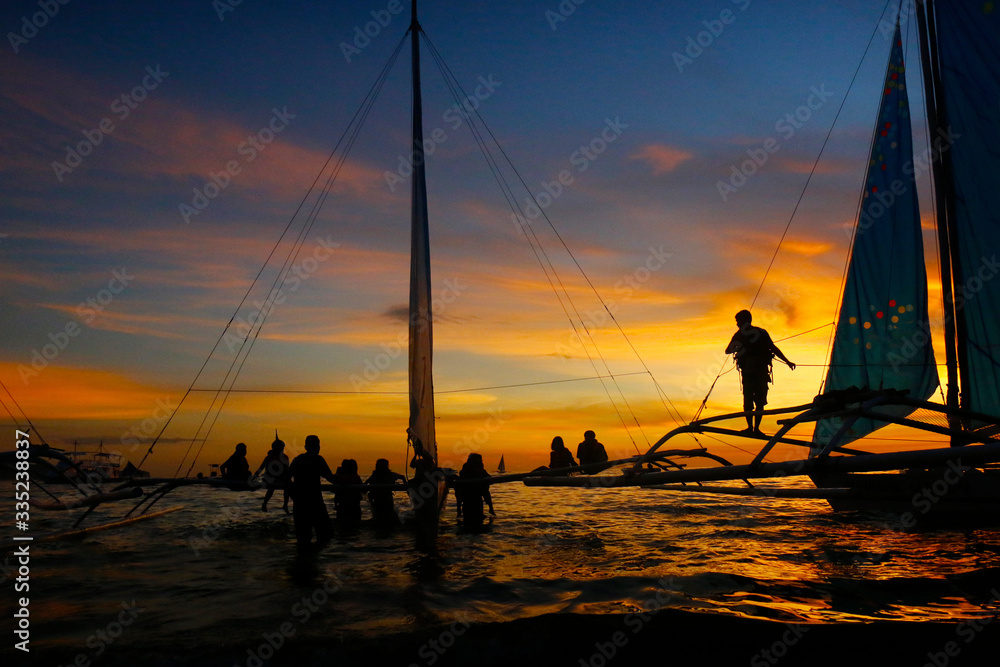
[(958, 481)]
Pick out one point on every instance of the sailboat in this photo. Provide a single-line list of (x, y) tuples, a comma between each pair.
[(882, 367), (882, 341), (501, 468)]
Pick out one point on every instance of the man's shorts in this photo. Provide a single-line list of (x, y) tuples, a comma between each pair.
[(755, 386)]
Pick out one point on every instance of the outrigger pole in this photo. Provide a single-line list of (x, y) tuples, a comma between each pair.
[(982, 447)]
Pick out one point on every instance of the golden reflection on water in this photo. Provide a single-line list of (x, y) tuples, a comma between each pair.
[(761, 557), (550, 550)]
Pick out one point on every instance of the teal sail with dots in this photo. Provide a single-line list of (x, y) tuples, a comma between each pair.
[(882, 340)]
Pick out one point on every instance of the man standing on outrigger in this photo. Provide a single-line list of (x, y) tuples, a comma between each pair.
[(754, 350)]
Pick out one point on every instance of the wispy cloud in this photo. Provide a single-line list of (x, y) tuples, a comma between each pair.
[(662, 158)]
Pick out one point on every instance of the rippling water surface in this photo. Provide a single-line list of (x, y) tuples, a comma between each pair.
[(222, 570)]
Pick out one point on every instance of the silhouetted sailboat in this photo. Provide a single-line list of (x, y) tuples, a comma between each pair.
[(882, 368), (882, 342), (501, 468)]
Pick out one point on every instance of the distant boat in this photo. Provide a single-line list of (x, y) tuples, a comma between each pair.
[(93, 467), (501, 468)]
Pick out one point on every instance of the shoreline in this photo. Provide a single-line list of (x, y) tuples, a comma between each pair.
[(581, 640)]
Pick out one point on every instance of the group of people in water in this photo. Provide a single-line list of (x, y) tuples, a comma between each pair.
[(301, 481), (301, 478)]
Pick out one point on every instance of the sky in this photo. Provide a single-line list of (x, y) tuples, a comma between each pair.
[(153, 153)]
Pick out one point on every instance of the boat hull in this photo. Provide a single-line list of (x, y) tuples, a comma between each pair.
[(919, 496)]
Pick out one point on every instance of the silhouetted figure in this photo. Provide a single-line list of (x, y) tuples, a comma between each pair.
[(276, 473), (754, 351), (425, 486), (236, 468), (422, 462), (591, 453), (560, 456), (383, 509), (309, 511), (474, 495), (348, 501)]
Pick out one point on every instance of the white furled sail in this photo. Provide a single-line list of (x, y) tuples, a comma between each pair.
[(421, 387)]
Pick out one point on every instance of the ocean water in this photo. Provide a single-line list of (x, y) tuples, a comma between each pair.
[(222, 571)]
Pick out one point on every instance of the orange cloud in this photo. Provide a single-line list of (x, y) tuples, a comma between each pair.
[(164, 136), (662, 158)]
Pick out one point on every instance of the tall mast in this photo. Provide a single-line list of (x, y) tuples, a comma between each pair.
[(421, 339), (954, 328)]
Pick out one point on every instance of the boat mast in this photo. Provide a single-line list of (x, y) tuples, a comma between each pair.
[(421, 388), (954, 329)]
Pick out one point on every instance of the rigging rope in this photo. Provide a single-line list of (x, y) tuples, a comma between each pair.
[(21, 410), (404, 393), (798, 202), (354, 129), (348, 136), (812, 171), (548, 267)]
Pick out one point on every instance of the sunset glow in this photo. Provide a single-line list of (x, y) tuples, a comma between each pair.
[(122, 267)]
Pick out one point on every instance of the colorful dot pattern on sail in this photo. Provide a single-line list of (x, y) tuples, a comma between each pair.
[(882, 339)]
